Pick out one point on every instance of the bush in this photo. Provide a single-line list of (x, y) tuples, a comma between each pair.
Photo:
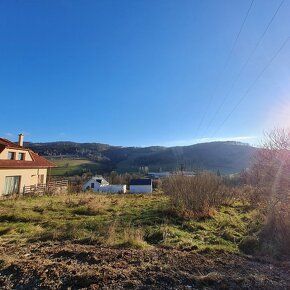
[(157, 184), (268, 176), (249, 245), (276, 231), (252, 195), (198, 195), (154, 237)]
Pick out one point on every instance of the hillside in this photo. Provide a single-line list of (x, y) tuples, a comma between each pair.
[(228, 157)]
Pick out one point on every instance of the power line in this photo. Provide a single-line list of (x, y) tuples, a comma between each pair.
[(239, 33), (226, 63), (252, 84), (244, 65)]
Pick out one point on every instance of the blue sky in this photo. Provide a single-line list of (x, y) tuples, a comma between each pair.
[(142, 72)]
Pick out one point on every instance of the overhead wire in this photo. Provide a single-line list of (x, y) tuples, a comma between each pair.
[(245, 65), (225, 64), (251, 85)]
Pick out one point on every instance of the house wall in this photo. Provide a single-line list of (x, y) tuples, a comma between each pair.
[(88, 184), (28, 177), (112, 188), (4, 154), (140, 188)]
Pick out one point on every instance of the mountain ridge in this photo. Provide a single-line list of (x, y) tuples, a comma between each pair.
[(225, 156)]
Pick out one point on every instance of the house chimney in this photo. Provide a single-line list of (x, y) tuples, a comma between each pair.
[(20, 140)]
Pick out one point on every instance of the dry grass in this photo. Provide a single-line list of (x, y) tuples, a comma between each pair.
[(110, 236), (136, 221), (198, 195), (134, 238)]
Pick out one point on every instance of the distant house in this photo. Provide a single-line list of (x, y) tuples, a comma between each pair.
[(187, 173), (159, 175), (20, 167), (99, 184), (142, 185)]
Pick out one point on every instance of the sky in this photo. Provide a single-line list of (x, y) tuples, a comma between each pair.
[(146, 72)]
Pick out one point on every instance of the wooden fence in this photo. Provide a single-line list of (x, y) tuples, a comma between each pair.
[(57, 183), (51, 186)]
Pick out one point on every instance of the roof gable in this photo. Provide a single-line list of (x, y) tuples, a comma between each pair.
[(36, 162), (100, 179)]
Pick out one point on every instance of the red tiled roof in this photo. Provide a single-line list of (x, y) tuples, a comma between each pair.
[(10, 144), (37, 161)]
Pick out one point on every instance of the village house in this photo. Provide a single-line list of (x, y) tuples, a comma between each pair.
[(100, 184), (159, 175), (20, 167), (141, 185)]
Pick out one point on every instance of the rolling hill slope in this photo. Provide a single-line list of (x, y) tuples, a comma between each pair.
[(228, 157)]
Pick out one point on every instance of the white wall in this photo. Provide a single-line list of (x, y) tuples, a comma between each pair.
[(88, 184), (113, 188), (141, 188)]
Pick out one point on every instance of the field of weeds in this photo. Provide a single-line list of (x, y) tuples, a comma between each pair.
[(93, 241), (131, 221)]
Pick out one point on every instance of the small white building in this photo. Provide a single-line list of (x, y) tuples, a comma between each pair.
[(142, 185), (159, 175), (100, 184)]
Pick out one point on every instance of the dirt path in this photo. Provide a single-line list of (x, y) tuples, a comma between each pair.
[(74, 266)]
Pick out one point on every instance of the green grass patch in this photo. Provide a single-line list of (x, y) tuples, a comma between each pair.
[(138, 221), (70, 167)]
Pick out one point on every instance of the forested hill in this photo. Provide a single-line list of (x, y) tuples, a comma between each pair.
[(228, 157)]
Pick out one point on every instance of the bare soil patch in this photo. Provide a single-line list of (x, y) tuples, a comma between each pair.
[(75, 266)]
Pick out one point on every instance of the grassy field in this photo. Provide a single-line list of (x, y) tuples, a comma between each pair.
[(70, 167), (138, 221)]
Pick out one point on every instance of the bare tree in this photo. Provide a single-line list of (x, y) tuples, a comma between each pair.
[(270, 172), (270, 169)]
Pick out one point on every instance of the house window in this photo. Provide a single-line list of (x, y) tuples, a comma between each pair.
[(92, 185), (12, 184), (21, 156), (11, 155)]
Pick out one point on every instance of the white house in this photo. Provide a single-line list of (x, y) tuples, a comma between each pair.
[(99, 184), (142, 185)]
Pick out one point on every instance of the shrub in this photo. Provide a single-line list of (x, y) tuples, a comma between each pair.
[(276, 231), (249, 245), (154, 237), (251, 195), (269, 175), (198, 195), (157, 184)]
